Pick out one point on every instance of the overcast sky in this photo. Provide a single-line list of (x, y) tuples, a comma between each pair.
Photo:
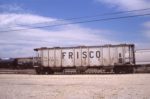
[(22, 15)]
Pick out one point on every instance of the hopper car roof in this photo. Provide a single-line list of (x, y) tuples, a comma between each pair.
[(107, 45)]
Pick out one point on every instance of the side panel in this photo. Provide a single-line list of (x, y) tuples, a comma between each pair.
[(85, 56), (67, 57), (121, 56), (95, 56), (58, 57), (113, 55), (77, 52), (128, 54), (132, 55), (51, 58), (106, 56), (45, 58)]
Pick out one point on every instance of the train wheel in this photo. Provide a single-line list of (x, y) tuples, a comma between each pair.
[(38, 70), (81, 70), (116, 71), (46, 70), (130, 69), (123, 69), (50, 71)]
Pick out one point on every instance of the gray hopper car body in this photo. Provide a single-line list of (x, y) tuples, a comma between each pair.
[(116, 58)]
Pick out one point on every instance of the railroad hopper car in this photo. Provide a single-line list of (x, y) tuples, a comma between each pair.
[(107, 58), (25, 62), (9, 63)]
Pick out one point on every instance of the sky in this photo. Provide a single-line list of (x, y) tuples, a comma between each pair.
[(19, 20)]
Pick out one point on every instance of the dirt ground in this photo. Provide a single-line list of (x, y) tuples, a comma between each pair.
[(124, 86)]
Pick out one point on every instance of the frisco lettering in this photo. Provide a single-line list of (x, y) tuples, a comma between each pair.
[(84, 54)]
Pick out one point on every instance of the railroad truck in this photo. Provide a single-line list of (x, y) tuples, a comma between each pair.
[(105, 58)]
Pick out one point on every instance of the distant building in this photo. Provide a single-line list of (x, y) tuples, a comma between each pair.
[(142, 56)]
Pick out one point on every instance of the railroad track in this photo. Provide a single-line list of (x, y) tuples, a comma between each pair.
[(14, 71), (90, 71), (66, 72)]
